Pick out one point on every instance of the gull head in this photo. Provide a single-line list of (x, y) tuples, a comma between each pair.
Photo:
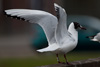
[(78, 26), (93, 38)]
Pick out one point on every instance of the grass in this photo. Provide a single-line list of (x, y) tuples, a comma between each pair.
[(46, 59)]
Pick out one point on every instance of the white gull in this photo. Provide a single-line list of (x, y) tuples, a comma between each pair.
[(60, 40)]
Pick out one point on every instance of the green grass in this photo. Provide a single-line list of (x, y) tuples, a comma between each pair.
[(46, 59)]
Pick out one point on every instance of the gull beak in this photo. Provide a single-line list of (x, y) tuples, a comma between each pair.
[(87, 37), (83, 28), (91, 37)]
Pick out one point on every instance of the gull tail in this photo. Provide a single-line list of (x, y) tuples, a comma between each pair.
[(42, 50), (45, 50), (49, 49)]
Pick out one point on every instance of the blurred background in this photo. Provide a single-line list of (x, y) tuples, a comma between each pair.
[(19, 39)]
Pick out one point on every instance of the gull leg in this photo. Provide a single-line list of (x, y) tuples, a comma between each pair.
[(58, 58), (66, 59)]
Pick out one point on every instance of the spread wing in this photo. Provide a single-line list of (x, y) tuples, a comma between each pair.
[(62, 32), (46, 20)]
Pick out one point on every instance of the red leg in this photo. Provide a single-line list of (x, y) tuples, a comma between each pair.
[(58, 58), (66, 59)]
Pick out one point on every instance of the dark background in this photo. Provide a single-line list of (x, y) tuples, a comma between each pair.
[(77, 10)]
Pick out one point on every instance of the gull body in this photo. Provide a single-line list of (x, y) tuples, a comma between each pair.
[(66, 44), (60, 39)]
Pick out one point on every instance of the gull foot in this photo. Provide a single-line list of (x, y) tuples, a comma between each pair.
[(68, 63)]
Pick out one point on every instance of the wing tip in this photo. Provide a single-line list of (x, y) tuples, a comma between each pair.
[(14, 17), (4, 12)]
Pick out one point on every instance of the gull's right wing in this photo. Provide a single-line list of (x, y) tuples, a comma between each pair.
[(62, 31)]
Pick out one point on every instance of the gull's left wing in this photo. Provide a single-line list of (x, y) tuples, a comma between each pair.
[(47, 21)]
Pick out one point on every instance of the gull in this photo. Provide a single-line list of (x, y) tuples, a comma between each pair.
[(95, 37), (60, 39)]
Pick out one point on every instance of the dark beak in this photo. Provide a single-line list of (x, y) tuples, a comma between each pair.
[(83, 28), (91, 37), (87, 37)]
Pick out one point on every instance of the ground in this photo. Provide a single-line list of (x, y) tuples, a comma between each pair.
[(41, 59)]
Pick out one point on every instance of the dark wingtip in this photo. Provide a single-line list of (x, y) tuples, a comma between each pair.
[(9, 16), (22, 19), (18, 18), (15, 17), (4, 13)]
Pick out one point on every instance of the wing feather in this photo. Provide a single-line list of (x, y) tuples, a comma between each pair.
[(61, 32), (46, 20)]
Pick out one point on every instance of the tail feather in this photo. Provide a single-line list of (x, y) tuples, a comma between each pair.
[(42, 50), (48, 49), (45, 50)]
